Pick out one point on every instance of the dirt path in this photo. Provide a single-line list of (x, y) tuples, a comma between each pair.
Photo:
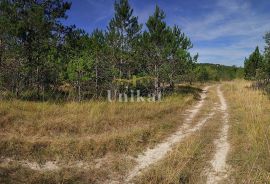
[(151, 156), (219, 169)]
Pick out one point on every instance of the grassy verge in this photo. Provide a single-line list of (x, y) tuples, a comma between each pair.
[(250, 133)]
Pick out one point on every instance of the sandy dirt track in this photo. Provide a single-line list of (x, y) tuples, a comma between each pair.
[(219, 169), (152, 156)]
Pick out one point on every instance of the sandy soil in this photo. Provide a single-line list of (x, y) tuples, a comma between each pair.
[(152, 156), (219, 170)]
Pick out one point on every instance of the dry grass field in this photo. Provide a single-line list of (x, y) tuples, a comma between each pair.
[(55, 143), (98, 142), (250, 133)]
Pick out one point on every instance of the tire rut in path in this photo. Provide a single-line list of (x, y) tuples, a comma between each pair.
[(151, 156), (219, 169)]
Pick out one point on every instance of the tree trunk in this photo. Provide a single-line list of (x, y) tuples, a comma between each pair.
[(96, 82), (38, 90), (171, 82), (79, 92), (79, 86), (172, 85), (156, 83), (1, 52)]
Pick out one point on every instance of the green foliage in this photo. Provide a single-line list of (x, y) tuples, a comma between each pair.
[(216, 72), (31, 38), (202, 74), (252, 64), (123, 33), (257, 66), (266, 59), (80, 68), (156, 45), (40, 58)]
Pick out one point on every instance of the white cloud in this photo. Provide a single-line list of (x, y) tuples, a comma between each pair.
[(231, 19)]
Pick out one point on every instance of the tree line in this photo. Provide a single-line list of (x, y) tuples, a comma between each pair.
[(257, 66), (41, 58), (217, 72)]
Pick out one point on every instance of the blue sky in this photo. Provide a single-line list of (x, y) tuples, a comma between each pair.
[(222, 31)]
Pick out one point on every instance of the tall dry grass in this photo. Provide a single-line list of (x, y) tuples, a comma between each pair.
[(250, 133), (88, 131)]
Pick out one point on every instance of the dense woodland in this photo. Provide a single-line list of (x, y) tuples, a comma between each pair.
[(41, 58), (257, 66)]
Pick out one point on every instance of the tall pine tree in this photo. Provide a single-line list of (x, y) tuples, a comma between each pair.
[(252, 64), (123, 33), (155, 42)]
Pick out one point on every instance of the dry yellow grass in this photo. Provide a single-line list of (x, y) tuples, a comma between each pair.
[(104, 135), (250, 133), (72, 132)]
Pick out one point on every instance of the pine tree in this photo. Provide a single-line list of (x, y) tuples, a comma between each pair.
[(35, 28), (179, 56), (101, 64), (267, 56), (252, 64), (156, 42), (123, 33), (80, 69)]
